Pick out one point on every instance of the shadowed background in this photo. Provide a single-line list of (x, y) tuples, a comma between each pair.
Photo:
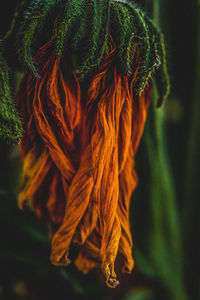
[(164, 207)]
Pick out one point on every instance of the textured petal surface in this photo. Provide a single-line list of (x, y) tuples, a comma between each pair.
[(78, 152)]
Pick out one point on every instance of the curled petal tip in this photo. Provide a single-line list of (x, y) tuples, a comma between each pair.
[(60, 263), (126, 270), (21, 203), (112, 282)]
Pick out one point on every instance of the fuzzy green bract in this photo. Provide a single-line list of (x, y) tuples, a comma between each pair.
[(10, 124), (82, 31)]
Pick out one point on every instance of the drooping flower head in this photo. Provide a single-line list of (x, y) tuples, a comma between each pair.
[(83, 100)]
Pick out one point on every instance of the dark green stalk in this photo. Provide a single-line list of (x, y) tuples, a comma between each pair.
[(164, 239)]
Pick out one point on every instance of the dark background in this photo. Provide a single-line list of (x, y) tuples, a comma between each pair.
[(165, 207)]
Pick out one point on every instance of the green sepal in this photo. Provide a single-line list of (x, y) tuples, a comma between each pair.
[(33, 20), (10, 124)]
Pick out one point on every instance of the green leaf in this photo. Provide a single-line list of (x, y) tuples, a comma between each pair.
[(139, 295)]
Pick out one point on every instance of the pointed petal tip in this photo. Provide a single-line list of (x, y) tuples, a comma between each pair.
[(112, 282), (63, 262)]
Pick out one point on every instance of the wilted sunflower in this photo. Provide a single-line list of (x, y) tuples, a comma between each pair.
[(82, 102)]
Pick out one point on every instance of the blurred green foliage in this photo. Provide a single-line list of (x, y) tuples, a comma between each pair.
[(164, 208)]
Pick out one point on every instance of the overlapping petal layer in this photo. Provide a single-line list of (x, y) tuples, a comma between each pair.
[(78, 152)]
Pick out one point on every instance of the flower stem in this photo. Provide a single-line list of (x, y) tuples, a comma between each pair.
[(164, 239)]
